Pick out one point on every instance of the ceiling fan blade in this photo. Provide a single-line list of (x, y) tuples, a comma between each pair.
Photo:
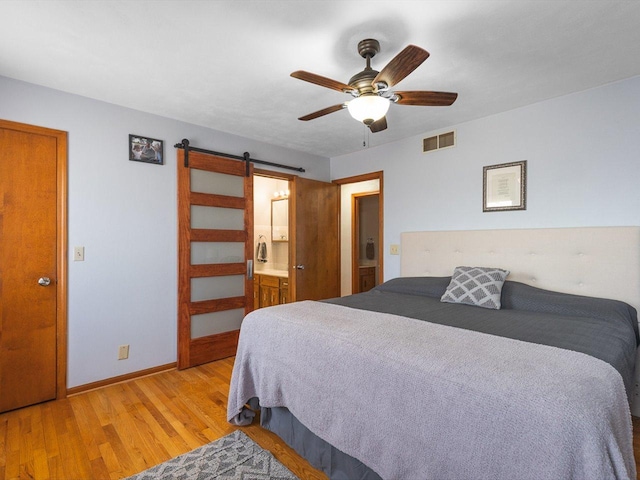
[(378, 125), (401, 65), (322, 81), (324, 111), (427, 99)]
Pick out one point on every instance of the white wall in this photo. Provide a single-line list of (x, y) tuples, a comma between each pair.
[(124, 214), (583, 161)]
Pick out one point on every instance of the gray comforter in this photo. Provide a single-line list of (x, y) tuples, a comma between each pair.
[(414, 399), (603, 328)]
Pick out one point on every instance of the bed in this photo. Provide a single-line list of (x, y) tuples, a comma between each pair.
[(395, 383)]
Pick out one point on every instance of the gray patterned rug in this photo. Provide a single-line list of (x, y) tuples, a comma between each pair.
[(235, 456)]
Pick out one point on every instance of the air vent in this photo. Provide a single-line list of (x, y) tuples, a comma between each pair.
[(437, 142)]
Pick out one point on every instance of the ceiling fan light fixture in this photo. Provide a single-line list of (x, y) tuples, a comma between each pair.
[(372, 88), (368, 108)]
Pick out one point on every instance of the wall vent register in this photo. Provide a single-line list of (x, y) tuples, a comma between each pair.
[(437, 142)]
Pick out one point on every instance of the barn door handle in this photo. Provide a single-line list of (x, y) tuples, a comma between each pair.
[(44, 281), (250, 269), (300, 267)]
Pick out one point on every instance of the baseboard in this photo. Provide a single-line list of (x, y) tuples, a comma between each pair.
[(120, 378)]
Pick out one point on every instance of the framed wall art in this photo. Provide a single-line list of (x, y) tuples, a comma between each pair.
[(146, 149), (504, 187)]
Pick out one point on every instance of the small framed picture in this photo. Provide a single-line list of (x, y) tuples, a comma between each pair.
[(504, 187), (146, 149)]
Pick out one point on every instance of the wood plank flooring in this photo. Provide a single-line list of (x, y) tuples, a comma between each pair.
[(119, 430), (116, 431)]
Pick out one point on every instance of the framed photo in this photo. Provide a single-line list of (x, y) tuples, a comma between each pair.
[(504, 187), (146, 149)]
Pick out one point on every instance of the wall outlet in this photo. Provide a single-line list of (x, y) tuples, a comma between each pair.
[(123, 352), (394, 250)]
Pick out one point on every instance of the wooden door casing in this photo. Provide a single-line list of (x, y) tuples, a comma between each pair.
[(379, 176), (33, 216)]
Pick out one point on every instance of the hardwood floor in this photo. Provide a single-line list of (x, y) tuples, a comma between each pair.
[(116, 431), (119, 430)]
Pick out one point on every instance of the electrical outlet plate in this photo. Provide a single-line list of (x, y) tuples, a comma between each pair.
[(123, 352), (394, 249)]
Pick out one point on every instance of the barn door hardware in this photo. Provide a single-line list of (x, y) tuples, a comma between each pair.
[(246, 157)]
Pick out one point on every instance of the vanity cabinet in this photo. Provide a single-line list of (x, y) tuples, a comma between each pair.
[(367, 278), (270, 290), (284, 290), (256, 291)]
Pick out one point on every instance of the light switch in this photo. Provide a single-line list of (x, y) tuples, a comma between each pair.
[(78, 254)]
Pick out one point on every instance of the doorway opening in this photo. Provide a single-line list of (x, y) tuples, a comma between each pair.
[(365, 240), (271, 210), (361, 230), (303, 256)]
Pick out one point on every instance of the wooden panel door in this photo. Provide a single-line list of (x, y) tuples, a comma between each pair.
[(32, 265), (215, 225), (315, 231)]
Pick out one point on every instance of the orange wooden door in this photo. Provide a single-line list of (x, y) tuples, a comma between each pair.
[(215, 285), (315, 232), (32, 264)]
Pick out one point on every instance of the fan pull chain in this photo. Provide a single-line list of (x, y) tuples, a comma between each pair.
[(366, 139)]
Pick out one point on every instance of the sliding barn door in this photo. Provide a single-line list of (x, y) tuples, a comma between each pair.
[(215, 230)]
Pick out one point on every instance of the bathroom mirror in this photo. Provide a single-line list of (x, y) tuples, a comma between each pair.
[(280, 220)]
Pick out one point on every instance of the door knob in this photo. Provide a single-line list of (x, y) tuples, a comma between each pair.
[(300, 267), (44, 281)]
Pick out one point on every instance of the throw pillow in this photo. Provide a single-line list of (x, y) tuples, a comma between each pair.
[(479, 286)]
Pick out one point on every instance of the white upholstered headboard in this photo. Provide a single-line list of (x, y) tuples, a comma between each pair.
[(592, 261)]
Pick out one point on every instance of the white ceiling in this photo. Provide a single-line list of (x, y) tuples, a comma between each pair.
[(226, 64)]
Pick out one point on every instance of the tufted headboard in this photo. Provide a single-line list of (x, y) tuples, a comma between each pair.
[(591, 261)]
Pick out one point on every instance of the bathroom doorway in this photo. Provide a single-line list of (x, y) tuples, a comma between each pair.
[(365, 240), (359, 273), (296, 238), (271, 240)]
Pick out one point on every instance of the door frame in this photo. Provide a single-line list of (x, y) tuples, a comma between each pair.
[(294, 224), (258, 172), (379, 175), (61, 244), (355, 237)]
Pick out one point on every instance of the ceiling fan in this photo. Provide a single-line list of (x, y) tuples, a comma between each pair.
[(371, 88)]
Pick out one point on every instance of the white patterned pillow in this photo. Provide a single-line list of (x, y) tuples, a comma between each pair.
[(479, 286)]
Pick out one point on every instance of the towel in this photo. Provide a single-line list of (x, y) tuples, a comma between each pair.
[(261, 252)]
